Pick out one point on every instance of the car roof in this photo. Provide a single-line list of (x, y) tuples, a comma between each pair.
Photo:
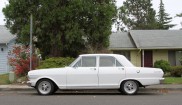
[(102, 55)]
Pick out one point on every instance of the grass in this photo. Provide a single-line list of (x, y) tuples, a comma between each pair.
[(173, 80), (4, 79)]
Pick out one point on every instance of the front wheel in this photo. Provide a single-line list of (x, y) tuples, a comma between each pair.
[(45, 87), (129, 87)]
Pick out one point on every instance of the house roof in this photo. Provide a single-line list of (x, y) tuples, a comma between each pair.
[(157, 39), (149, 39), (5, 35), (121, 40)]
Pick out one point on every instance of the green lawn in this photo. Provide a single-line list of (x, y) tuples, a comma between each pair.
[(173, 80), (4, 79)]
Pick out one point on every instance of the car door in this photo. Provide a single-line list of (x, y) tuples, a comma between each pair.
[(111, 72), (84, 73)]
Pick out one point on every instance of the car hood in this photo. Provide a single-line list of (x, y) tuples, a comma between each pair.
[(47, 71)]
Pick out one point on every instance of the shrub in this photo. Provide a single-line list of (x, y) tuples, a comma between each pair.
[(176, 71), (19, 59), (55, 62), (164, 65)]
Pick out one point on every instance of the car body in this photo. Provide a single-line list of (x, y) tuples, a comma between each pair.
[(95, 71)]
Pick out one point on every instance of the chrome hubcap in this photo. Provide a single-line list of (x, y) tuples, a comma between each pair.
[(44, 87), (130, 87)]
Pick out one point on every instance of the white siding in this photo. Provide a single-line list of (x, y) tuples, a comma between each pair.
[(4, 64), (3, 59), (10, 48)]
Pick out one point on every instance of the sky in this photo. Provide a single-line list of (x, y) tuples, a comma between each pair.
[(172, 7)]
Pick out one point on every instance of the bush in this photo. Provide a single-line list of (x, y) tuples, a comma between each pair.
[(176, 71), (164, 65), (55, 62), (19, 59)]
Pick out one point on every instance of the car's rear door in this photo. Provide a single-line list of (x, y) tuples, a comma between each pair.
[(111, 72), (84, 74)]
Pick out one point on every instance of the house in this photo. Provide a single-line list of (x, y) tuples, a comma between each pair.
[(144, 47), (7, 41)]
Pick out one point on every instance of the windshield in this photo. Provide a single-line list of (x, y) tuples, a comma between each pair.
[(71, 65)]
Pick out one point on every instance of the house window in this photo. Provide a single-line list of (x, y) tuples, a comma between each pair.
[(125, 53), (2, 49), (178, 58), (174, 57)]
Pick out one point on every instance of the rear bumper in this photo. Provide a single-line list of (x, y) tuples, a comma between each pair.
[(150, 81)]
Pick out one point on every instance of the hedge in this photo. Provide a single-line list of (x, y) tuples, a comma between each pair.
[(176, 71), (56, 62), (164, 65)]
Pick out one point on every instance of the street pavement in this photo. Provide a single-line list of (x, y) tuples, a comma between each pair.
[(30, 97)]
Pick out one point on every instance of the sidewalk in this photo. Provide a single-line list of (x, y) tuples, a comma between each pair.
[(168, 87)]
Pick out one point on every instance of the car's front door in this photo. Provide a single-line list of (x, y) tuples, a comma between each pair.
[(111, 72), (84, 74)]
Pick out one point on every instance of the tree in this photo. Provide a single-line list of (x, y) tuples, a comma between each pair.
[(179, 15), (163, 18), (138, 14), (62, 27)]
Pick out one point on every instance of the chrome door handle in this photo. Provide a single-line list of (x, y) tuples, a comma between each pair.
[(92, 68), (121, 68)]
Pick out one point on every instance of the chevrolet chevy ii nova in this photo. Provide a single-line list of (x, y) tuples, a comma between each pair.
[(95, 71)]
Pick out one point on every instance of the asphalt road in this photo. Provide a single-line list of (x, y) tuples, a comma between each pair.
[(91, 98)]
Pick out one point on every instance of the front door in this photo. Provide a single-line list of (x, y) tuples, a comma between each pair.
[(148, 58), (83, 74)]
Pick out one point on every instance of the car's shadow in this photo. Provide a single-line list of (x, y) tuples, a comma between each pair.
[(96, 93)]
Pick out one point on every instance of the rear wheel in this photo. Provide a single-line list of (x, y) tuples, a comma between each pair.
[(129, 87), (45, 87)]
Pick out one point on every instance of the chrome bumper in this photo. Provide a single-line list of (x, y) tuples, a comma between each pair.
[(161, 80), (29, 84)]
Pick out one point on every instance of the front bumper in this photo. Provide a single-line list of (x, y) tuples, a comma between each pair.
[(161, 80), (30, 84)]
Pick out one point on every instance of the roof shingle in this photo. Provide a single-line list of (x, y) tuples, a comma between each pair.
[(157, 39), (5, 35)]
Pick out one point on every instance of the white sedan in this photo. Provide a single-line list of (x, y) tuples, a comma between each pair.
[(95, 71)]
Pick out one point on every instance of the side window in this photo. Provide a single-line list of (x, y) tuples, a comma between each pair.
[(118, 64), (88, 61), (107, 61)]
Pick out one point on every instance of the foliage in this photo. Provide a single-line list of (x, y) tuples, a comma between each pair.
[(173, 80), (164, 65), (56, 62), (163, 18), (176, 71), (62, 27), (4, 79), (19, 59), (179, 15), (138, 14)]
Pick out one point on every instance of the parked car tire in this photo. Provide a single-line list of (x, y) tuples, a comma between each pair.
[(129, 87), (45, 87)]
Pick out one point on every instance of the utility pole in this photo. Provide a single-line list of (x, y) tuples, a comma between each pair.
[(31, 25)]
